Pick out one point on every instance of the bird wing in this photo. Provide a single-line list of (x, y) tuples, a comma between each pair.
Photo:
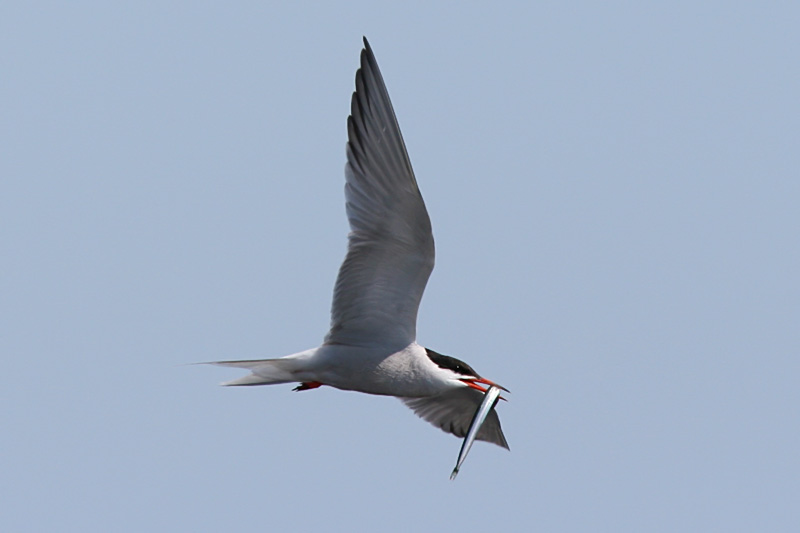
[(390, 252), (452, 411)]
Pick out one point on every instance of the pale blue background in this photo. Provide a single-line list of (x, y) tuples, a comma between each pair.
[(614, 192)]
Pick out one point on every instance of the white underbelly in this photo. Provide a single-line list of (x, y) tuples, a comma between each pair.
[(405, 373)]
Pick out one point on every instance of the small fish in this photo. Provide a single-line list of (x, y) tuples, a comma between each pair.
[(489, 401)]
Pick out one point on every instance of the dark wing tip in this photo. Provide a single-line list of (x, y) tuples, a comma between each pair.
[(369, 62), (502, 442)]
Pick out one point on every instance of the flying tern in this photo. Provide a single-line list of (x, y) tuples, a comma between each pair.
[(371, 346)]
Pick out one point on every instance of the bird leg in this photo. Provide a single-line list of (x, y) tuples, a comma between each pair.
[(307, 385)]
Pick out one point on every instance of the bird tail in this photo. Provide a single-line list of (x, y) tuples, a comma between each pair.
[(289, 369)]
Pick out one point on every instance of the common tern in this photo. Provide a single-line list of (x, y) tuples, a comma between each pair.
[(371, 346)]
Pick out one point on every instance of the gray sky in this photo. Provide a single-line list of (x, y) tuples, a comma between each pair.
[(614, 195)]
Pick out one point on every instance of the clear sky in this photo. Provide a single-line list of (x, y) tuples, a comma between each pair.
[(614, 194)]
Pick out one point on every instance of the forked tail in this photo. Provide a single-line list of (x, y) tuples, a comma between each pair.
[(287, 369)]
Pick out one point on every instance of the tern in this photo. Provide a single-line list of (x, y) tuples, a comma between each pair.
[(371, 346)]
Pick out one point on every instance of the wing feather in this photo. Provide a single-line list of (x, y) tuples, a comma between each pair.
[(452, 412), (390, 252)]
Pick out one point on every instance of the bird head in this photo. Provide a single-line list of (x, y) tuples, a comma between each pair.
[(463, 372)]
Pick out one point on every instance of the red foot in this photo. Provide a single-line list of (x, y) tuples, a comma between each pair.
[(306, 385)]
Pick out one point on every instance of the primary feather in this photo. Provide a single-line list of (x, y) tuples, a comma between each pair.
[(390, 251)]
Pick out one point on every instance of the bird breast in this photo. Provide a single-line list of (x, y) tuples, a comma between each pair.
[(373, 370)]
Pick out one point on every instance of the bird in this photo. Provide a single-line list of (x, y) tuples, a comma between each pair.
[(371, 346)]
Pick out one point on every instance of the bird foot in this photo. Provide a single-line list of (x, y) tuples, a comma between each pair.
[(307, 385)]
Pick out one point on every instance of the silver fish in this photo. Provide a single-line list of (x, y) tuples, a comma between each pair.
[(489, 401)]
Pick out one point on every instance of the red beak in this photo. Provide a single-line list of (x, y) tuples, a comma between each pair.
[(473, 383)]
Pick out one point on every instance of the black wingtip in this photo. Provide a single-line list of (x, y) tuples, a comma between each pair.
[(368, 49)]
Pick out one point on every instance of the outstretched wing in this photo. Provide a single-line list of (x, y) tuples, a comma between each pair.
[(390, 251), (452, 411)]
